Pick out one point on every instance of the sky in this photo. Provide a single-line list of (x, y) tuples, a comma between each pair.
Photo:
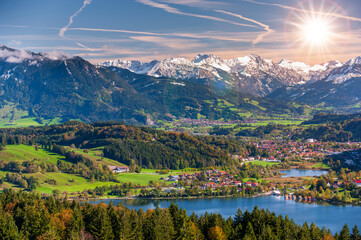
[(312, 31)]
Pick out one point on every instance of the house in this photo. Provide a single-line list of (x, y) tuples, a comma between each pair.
[(349, 162), (117, 169), (357, 183), (251, 184), (172, 178), (238, 183)]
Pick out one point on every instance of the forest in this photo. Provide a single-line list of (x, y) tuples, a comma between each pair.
[(130, 145), (333, 131), (28, 216)]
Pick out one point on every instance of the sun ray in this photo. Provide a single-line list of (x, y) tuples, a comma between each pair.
[(315, 28)]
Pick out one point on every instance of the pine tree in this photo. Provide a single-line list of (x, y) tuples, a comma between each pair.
[(315, 232), (8, 228), (36, 221), (345, 233), (163, 225), (355, 233), (100, 225), (249, 232), (304, 233)]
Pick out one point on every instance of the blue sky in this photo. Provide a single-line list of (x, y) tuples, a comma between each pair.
[(98, 30)]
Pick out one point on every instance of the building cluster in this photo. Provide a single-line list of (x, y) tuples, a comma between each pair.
[(306, 150), (210, 179)]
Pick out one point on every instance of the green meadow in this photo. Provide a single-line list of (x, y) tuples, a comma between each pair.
[(264, 164), (65, 182)]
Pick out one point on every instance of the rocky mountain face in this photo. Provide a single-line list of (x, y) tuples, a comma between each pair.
[(339, 89), (250, 74)]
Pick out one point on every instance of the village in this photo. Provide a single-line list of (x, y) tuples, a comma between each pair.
[(278, 151)]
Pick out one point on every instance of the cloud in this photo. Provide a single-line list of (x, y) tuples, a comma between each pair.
[(14, 43), (261, 36), (116, 31), (56, 55), (16, 56), (173, 10), (204, 35), (71, 19), (179, 44), (14, 26), (195, 3), (331, 14)]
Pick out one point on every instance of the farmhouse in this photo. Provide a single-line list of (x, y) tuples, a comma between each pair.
[(357, 183), (117, 169)]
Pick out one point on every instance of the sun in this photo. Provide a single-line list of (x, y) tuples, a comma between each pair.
[(316, 32), (315, 28)]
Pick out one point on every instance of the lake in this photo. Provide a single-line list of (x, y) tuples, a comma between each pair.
[(302, 173), (333, 217)]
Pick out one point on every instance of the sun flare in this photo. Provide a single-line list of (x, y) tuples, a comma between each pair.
[(316, 32), (316, 27)]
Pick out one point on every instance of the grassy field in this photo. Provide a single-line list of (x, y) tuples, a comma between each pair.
[(264, 163), (27, 122), (139, 178), (24, 152), (321, 165), (94, 154), (73, 183), (68, 182)]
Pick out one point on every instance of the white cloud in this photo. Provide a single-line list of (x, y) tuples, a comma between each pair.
[(261, 36), (16, 56), (174, 43), (56, 55), (173, 10), (195, 3), (71, 19)]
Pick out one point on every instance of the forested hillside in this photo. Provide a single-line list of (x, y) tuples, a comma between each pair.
[(336, 128), (129, 145)]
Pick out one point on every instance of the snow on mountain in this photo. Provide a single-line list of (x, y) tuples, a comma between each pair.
[(251, 73), (350, 70), (182, 68)]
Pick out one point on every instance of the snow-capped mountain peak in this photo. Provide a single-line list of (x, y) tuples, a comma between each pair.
[(351, 69), (353, 61), (249, 72)]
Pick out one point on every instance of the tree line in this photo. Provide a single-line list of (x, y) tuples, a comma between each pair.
[(28, 216)]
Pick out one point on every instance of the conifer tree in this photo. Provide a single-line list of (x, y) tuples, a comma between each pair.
[(345, 233), (249, 232), (355, 233)]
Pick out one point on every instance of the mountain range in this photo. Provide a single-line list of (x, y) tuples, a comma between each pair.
[(46, 85), (332, 84), (250, 74)]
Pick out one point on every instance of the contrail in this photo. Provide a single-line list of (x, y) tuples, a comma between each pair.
[(173, 10), (64, 29), (260, 37), (306, 11)]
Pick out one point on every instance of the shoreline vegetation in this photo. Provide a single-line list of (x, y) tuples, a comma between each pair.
[(29, 216), (167, 198)]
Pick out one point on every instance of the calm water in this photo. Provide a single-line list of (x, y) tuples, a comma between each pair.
[(302, 173), (333, 217)]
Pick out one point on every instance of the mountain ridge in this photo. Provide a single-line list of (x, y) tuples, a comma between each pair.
[(249, 74)]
